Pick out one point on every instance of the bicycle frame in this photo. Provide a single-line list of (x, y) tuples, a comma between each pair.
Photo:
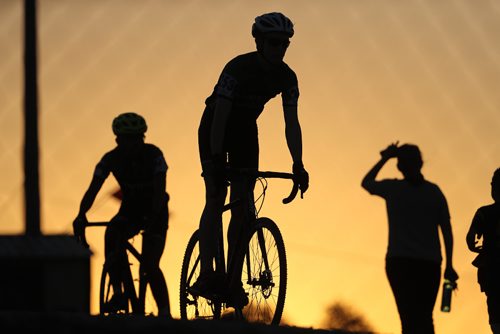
[(243, 251), (259, 274)]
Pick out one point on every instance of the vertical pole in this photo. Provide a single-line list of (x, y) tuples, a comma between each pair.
[(31, 181)]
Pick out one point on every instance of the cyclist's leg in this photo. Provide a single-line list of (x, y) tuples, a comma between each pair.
[(153, 244), (210, 223), (245, 154), (239, 224), (114, 250)]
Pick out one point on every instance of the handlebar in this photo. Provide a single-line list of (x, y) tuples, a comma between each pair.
[(96, 224), (79, 227), (79, 230), (270, 175)]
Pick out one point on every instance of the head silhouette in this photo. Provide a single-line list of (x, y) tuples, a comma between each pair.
[(495, 186), (410, 161), (272, 32), (129, 123), (129, 129)]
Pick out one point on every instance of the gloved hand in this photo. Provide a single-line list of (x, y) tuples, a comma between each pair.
[(301, 175), (79, 230)]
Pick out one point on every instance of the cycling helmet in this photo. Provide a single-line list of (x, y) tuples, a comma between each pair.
[(272, 22), (129, 124)]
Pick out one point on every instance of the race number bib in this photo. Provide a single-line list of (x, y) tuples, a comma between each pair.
[(226, 85)]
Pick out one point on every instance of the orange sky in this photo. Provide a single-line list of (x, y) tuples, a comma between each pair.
[(370, 73)]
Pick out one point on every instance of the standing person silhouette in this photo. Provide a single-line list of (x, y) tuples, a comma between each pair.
[(140, 170), (483, 237), (228, 136), (416, 209)]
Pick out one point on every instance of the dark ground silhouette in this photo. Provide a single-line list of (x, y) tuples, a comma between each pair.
[(56, 323)]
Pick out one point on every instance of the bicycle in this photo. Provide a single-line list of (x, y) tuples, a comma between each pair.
[(264, 274), (139, 299)]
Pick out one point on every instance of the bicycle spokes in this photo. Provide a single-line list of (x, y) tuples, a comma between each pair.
[(265, 275)]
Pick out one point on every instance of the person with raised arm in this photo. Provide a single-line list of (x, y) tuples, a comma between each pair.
[(417, 210)]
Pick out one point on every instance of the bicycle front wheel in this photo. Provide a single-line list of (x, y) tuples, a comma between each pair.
[(264, 274), (194, 307), (142, 302), (108, 304)]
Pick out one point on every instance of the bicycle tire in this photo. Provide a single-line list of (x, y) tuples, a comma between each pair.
[(194, 307), (266, 287), (143, 304), (106, 292)]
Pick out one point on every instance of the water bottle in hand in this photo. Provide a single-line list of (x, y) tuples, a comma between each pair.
[(448, 287)]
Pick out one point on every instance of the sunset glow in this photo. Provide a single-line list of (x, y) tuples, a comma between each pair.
[(370, 73)]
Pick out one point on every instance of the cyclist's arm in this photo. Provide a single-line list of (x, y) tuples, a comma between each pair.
[(293, 132), (90, 195), (222, 110)]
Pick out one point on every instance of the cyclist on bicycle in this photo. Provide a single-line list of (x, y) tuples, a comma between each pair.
[(140, 170), (227, 136)]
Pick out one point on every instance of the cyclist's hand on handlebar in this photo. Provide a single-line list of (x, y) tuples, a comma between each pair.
[(301, 176), (79, 225)]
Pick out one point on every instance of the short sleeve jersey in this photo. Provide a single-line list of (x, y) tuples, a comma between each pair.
[(414, 212), (250, 86), (135, 175)]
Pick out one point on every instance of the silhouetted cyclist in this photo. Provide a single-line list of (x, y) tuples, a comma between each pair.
[(416, 209), (140, 170), (228, 136), (484, 238)]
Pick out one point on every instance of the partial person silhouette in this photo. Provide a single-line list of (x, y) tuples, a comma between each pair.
[(228, 136), (483, 237), (417, 209), (140, 170)]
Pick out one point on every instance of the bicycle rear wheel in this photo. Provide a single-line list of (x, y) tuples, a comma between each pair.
[(194, 307), (264, 274)]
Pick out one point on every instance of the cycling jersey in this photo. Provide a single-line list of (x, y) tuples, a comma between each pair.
[(249, 85), (135, 175)]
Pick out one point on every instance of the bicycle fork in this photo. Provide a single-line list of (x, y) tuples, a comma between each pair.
[(265, 279)]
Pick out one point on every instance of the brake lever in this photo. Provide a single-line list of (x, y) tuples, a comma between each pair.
[(293, 193)]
